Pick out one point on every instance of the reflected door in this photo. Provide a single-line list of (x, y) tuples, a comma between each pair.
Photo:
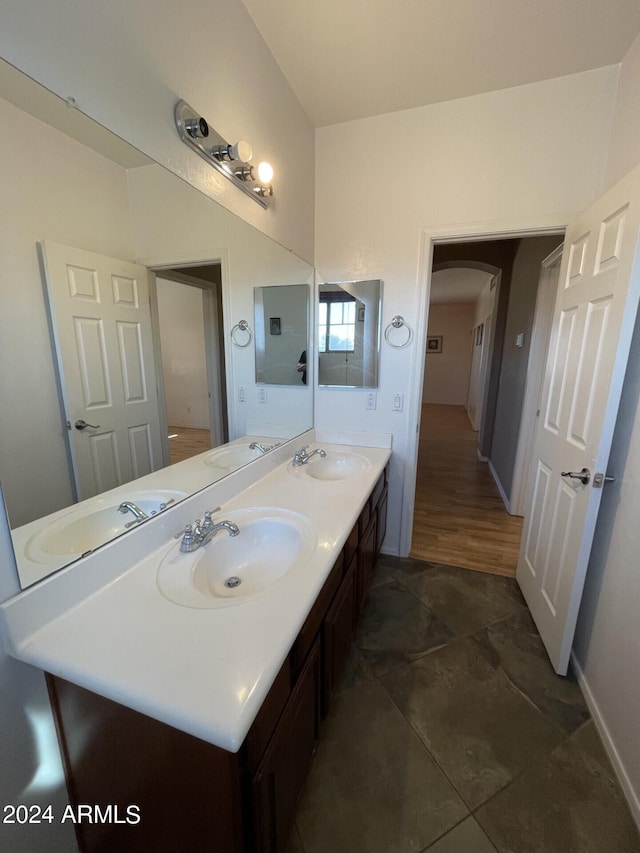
[(100, 315), (593, 322)]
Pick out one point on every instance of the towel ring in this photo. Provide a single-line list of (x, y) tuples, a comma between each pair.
[(241, 327), (398, 322)]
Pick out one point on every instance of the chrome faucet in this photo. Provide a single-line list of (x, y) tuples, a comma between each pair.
[(129, 506), (302, 457), (197, 535), (263, 448)]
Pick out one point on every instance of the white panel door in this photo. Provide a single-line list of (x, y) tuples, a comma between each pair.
[(102, 330), (593, 321)]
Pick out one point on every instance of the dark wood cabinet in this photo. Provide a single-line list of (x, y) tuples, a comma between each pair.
[(338, 629), (196, 796), (366, 560), (278, 782), (381, 511)]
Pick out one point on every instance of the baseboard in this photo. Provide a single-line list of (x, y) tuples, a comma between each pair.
[(390, 552), (505, 499), (471, 423), (632, 797)]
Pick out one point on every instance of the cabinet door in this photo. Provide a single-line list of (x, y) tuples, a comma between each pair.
[(366, 560), (338, 629), (278, 782)]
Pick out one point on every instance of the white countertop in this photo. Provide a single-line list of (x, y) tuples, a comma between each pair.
[(103, 624)]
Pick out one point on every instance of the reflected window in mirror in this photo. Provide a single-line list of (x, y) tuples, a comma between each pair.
[(348, 333), (281, 318)]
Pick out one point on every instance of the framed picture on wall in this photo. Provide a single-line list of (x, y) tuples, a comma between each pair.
[(434, 343), (274, 326)]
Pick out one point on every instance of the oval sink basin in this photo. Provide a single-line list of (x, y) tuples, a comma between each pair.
[(93, 523), (232, 457), (229, 570), (333, 466)]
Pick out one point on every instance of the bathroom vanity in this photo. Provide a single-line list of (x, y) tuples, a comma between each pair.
[(202, 718)]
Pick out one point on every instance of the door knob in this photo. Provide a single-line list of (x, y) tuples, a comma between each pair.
[(80, 424), (584, 476)]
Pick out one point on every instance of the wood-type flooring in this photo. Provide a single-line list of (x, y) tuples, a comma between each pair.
[(187, 442), (459, 517)]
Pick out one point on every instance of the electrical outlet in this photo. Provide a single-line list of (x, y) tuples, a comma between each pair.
[(262, 395), (370, 401)]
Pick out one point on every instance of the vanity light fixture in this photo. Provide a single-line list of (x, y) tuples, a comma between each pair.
[(231, 160)]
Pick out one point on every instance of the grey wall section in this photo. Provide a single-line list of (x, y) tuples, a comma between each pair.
[(31, 771), (513, 370)]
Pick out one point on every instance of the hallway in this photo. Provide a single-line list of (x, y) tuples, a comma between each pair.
[(459, 517)]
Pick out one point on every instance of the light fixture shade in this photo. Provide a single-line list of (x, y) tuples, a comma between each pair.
[(241, 151), (265, 172)]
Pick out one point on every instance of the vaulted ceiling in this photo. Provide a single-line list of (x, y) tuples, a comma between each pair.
[(347, 59)]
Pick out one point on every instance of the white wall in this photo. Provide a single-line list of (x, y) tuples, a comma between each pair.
[(446, 374), (127, 64), (282, 351), (532, 155), (53, 189), (181, 317)]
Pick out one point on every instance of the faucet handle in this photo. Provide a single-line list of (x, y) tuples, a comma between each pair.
[(187, 532)]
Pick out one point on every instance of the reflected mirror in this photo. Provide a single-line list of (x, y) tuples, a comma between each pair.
[(72, 187), (281, 317), (349, 333)]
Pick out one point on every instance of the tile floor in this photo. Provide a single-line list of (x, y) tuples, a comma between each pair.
[(451, 733)]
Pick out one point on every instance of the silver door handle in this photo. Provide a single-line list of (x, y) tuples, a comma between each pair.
[(584, 476), (80, 424)]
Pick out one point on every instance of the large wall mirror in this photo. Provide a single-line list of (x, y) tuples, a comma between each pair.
[(281, 316), (75, 195), (349, 315)]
